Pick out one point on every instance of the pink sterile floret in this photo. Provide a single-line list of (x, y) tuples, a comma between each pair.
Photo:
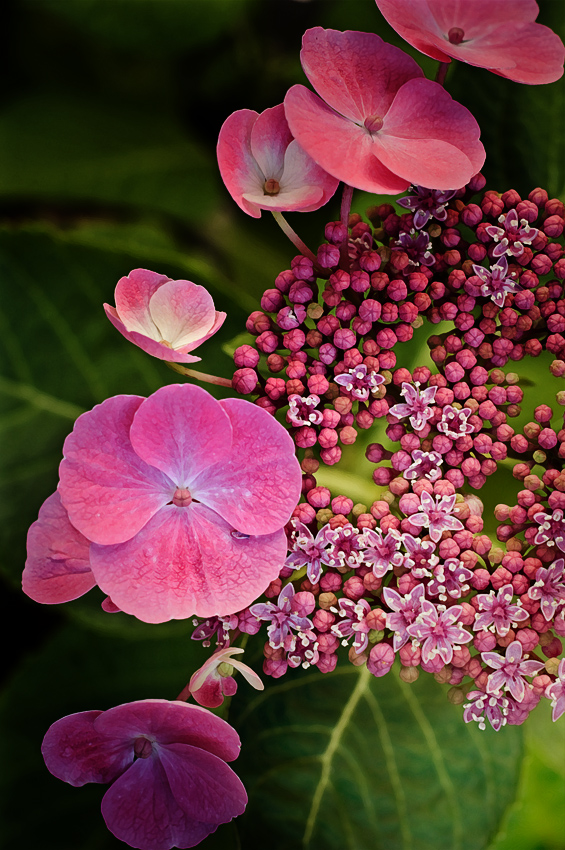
[(214, 679), (166, 762), (264, 168), (502, 37), (166, 318), (382, 125), (183, 499)]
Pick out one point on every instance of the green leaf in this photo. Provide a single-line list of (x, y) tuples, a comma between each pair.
[(350, 761)]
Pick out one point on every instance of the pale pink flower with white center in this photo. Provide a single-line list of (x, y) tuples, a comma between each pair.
[(482, 705), (549, 588), (353, 622), (500, 36), (166, 318), (304, 652), (440, 631), (302, 411), (454, 421), (359, 382), (417, 404), (436, 514), (383, 125), (165, 762), (449, 579), (498, 611), (496, 282), (552, 529), (264, 168), (405, 609), (307, 551), (512, 236), (213, 681), (425, 465), (556, 692), (182, 498), (382, 552), (510, 670)]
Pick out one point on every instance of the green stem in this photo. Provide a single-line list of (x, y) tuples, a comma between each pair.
[(200, 376)]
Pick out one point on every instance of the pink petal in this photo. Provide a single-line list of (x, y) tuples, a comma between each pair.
[(202, 784), (156, 349), (210, 692), (58, 564), (356, 73), (238, 167), (270, 137), (183, 313), (186, 562), (76, 752), (140, 809), (169, 721), (258, 487), (181, 429), (132, 295), (340, 147), (107, 489), (429, 138)]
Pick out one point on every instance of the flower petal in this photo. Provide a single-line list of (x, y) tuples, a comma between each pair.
[(238, 167), (133, 294), (183, 312), (155, 349)]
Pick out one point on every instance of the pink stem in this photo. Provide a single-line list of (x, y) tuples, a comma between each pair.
[(184, 695), (346, 199), (298, 243), (200, 376), (441, 72)]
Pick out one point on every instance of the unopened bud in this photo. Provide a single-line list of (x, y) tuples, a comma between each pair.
[(552, 666), (409, 674), (456, 696), (376, 636)]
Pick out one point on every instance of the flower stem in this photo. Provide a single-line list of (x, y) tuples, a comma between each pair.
[(184, 695), (297, 242), (199, 376), (441, 72), (346, 199)]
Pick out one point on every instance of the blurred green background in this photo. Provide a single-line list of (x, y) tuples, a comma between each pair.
[(109, 115)]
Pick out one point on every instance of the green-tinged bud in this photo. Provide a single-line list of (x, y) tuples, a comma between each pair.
[(552, 666), (539, 455), (376, 636), (512, 378), (359, 509), (418, 321), (314, 311), (324, 515), (456, 696), (496, 555), (225, 669), (357, 659), (388, 497), (560, 396), (327, 600), (387, 375), (409, 674)]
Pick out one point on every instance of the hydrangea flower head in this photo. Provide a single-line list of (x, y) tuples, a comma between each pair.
[(166, 318), (378, 124), (183, 500), (166, 762), (502, 37), (264, 168)]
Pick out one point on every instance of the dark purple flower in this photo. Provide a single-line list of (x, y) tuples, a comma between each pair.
[(305, 650), (454, 421), (301, 411), (417, 246), (219, 626), (426, 204)]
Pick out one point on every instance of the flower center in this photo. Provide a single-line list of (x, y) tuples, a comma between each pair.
[(373, 123), (142, 748), (455, 35), (271, 186), (182, 497), (165, 342)]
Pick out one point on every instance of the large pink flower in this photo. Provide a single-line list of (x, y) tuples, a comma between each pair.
[(166, 318), (500, 36), (264, 168), (182, 499), (383, 125), (166, 762)]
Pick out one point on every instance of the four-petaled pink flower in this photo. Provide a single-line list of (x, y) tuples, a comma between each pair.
[(496, 282), (549, 588), (512, 236), (510, 671), (498, 611), (502, 37), (166, 318), (359, 382), (440, 631), (556, 692), (454, 421), (214, 680), (383, 125), (166, 762), (264, 168), (417, 404), (182, 498), (436, 515)]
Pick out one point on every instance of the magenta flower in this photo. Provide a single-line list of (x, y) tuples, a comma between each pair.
[(549, 588), (498, 611), (556, 692), (449, 579), (359, 382), (381, 552), (213, 681), (417, 246), (417, 405), (425, 465), (420, 558), (383, 125), (405, 609), (302, 411), (219, 626), (353, 622), (283, 618), (166, 318), (510, 671), (439, 630), (454, 421), (552, 529), (496, 282), (512, 236), (307, 551), (436, 515), (486, 706), (166, 762), (502, 37), (345, 546), (183, 499), (264, 168)]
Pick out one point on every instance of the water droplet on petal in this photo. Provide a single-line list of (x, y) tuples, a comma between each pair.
[(239, 535)]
